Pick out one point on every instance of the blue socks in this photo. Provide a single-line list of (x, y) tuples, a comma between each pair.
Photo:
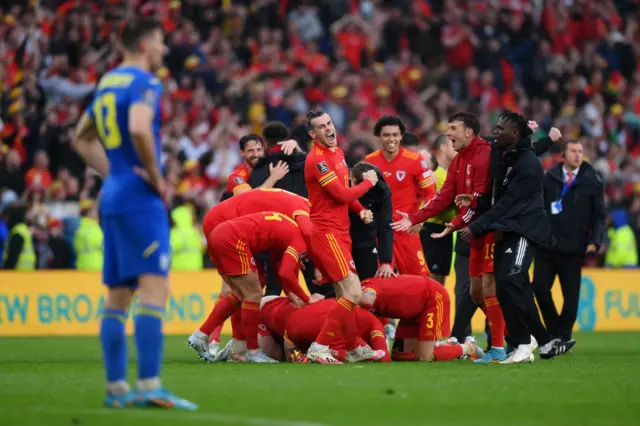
[(114, 344), (149, 340)]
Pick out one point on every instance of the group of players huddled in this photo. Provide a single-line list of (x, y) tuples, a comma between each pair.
[(119, 137), (309, 328)]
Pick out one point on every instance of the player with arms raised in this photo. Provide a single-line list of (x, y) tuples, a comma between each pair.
[(411, 183), (327, 179), (125, 116)]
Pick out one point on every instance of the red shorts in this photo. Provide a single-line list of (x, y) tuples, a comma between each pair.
[(230, 254), (481, 258), (331, 254), (408, 256), (434, 322), (211, 220)]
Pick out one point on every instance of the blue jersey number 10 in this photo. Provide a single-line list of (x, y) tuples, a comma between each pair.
[(104, 109)]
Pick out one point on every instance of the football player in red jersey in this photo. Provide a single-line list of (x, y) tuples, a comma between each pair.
[(468, 173), (252, 150), (411, 183), (327, 179), (300, 327), (421, 304), (231, 247), (206, 340)]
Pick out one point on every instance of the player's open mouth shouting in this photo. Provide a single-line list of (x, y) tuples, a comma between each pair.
[(331, 136)]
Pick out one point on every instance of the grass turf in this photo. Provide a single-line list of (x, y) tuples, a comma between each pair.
[(59, 381)]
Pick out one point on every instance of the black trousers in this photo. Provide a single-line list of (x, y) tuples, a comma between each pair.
[(465, 308), (366, 260), (513, 255), (568, 268)]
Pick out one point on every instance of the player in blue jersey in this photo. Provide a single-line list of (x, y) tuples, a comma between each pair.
[(124, 115)]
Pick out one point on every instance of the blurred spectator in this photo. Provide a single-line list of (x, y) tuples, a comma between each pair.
[(233, 66), (88, 240), (18, 253)]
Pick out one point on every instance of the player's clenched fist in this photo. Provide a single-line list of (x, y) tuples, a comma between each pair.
[(463, 200), (371, 176), (366, 216), (555, 134)]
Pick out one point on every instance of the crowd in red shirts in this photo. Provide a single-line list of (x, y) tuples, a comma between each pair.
[(234, 65)]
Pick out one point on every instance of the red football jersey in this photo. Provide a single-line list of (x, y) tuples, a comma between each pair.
[(403, 297), (468, 173), (275, 314), (255, 201), (409, 178), (327, 178), (281, 236), (237, 181)]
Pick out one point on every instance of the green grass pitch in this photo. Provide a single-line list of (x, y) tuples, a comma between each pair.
[(59, 381)]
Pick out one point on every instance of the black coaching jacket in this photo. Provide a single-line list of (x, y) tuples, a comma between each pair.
[(292, 181), (378, 233), (518, 199)]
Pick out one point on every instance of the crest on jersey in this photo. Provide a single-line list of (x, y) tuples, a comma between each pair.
[(353, 264), (262, 327), (468, 182), (322, 167), (400, 175), (468, 169), (238, 180)]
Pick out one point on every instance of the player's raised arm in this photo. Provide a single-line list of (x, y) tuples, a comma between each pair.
[(88, 146), (327, 178), (141, 114)]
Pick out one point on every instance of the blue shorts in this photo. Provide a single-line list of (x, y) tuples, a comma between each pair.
[(135, 244)]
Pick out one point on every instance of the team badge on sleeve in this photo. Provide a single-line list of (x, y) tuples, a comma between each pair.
[(323, 167), (239, 180)]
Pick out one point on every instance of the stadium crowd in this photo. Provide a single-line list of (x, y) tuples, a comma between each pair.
[(233, 66)]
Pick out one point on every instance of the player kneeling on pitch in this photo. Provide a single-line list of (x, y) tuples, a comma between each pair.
[(231, 247), (422, 305), (299, 328)]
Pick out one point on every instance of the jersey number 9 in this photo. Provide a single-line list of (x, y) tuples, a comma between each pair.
[(104, 109)]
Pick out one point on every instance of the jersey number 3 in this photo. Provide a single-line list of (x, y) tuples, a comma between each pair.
[(104, 109)]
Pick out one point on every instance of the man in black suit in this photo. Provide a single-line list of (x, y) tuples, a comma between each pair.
[(574, 200)]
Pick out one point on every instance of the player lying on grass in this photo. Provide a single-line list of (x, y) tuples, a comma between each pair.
[(242, 204), (300, 327), (420, 303), (231, 247)]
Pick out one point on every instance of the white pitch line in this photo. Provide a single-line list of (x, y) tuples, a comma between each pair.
[(158, 413)]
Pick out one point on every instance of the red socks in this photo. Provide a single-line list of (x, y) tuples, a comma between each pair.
[(447, 352), (223, 308), (237, 332), (340, 318), (250, 323), (496, 321)]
